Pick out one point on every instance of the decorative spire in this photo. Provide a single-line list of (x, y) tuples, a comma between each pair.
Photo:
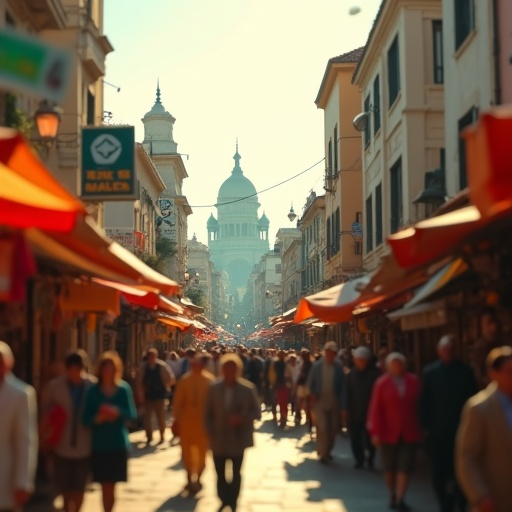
[(158, 91), (237, 159)]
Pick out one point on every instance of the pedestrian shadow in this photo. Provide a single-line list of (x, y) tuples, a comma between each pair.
[(290, 431), (177, 465), (182, 502), (142, 450)]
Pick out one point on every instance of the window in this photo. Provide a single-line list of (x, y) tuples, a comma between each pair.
[(336, 169), (328, 238), (393, 71), (396, 196), (437, 34), (368, 127), (376, 104), (91, 108), (464, 20), (337, 229), (378, 215), (278, 268), (467, 119), (369, 224), (329, 159)]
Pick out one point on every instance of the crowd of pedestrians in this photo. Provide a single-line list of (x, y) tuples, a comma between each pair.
[(460, 413)]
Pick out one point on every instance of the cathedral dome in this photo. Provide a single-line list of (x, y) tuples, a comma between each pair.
[(237, 185)]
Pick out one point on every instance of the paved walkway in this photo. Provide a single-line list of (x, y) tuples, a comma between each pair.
[(280, 474)]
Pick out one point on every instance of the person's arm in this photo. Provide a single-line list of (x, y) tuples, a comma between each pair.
[(139, 383), (254, 412), (469, 449), (126, 405), (374, 418), (178, 400), (168, 375), (25, 446), (209, 412), (91, 408)]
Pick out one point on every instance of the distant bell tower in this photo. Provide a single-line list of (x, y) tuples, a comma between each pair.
[(158, 129)]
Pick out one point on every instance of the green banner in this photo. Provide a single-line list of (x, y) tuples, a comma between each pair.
[(31, 64), (108, 163)]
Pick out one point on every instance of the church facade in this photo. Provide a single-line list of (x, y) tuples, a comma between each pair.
[(238, 237)]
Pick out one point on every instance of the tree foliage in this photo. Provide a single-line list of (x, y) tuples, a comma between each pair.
[(16, 118), (196, 295), (165, 251)]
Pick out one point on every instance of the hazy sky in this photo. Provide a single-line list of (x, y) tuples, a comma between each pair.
[(233, 68)]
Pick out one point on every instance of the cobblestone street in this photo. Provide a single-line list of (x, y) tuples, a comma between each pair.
[(280, 473)]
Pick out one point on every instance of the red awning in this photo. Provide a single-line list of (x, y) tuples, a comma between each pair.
[(489, 161), (153, 301), (435, 238), (29, 195), (90, 251), (332, 305)]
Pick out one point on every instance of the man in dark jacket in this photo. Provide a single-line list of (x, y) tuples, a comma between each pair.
[(447, 385), (255, 370), (356, 398)]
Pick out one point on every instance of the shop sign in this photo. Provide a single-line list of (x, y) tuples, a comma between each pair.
[(33, 65), (124, 237), (108, 163), (167, 221), (357, 230)]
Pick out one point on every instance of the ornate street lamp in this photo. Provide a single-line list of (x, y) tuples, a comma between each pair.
[(292, 215), (47, 118)]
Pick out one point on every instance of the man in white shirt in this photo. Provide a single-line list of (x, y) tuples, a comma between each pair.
[(18, 436)]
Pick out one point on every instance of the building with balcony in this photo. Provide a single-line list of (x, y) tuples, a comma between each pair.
[(133, 224), (159, 143), (78, 25), (266, 287), (401, 78), (291, 269), (312, 224), (340, 100)]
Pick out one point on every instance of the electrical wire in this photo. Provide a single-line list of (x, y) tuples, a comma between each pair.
[(261, 191)]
